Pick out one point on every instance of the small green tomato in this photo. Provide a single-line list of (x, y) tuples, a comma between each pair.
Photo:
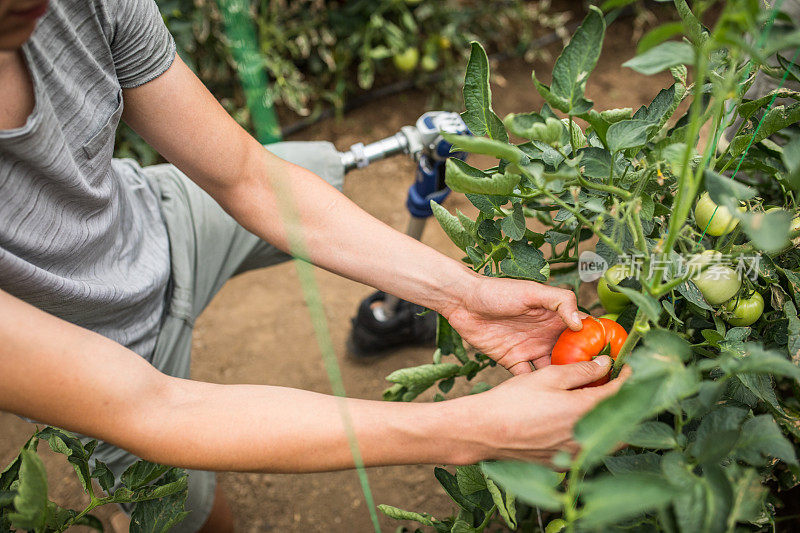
[(745, 311), (613, 301), (721, 220), (406, 61), (718, 282)]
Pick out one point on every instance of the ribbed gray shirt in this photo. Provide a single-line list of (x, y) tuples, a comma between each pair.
[(81, 234)]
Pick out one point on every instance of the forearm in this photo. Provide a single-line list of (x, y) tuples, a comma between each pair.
[(275, 429), (294, 209), (76, 379), (280, 202)]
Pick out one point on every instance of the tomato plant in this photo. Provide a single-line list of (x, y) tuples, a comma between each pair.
[(599, 336), (710, 413), (156, 493)]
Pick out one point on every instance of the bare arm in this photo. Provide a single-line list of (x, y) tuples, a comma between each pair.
[(60, 374), (513, 321)]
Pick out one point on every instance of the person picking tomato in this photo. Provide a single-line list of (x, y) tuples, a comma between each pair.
[(105, 265)]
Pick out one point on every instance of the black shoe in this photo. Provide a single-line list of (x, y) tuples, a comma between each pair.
[(371, 337)]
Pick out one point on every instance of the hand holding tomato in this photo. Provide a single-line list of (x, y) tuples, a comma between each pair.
[(530, 417), (599, 336), (514, 322)]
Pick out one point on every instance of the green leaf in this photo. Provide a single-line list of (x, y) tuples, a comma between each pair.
[(717, 434), (470, 479), (449, 341), (762, 439), (761, 386), (662, 57), (791, 159), (793, 344), (422, 375), (531, 483), (627, 134), (142, 473), (668, 342), (451, 226), (522, 124), (67, 444), (30, 501), (692, 294), (479, 117), (576, 62), (526, 262), (760, 361), (595, 162), (749, 495), (555, 101), (658, 35), (768, 232), (400, 514), (482, 145), (450, 484), (792, 68), (655, 435), (505, 505), (462, 526), (776, 119), (158, 515), (726, 191), (609, 499), (640, 462), (514, 224), (461, 177), (649, 305), (747, 108), (612, 420), (718, 496), (104, 475), (671, 380)]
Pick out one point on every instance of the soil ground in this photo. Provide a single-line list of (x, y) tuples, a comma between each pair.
[(257, 330)]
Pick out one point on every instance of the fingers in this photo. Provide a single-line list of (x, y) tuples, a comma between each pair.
[(612, 386), (577, 374), (567, 309), (523, 367)]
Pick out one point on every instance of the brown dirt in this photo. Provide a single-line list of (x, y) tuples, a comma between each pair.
[(257, 330)]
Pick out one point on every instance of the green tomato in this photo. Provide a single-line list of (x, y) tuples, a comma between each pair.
[(722, 223), (406, 61), (428, 63), (718, 282), (746, 311), (612, 300)]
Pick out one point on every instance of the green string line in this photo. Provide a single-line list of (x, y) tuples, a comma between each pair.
[(242, 37), (762, 38)]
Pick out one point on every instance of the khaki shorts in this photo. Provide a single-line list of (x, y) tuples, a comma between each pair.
[(207, 247)]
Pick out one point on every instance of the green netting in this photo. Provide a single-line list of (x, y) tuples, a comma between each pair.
[(241, 34)]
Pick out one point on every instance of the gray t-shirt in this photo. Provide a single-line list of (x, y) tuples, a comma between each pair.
[(81, 234)]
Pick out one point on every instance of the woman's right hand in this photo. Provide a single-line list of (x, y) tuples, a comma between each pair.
[(530, 417)]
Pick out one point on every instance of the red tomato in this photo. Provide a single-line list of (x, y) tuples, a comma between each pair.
[(588, 343)]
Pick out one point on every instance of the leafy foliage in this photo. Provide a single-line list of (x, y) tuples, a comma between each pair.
[(157, 492), (319, 52), (710, 413)]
